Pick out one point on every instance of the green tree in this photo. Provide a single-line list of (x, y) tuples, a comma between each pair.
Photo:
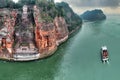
[(27, 2), (8, 4), (3, 3)]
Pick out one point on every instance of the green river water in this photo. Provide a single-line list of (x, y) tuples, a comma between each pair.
[(76, 59)]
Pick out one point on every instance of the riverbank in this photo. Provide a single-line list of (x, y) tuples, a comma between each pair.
[(77, 28), (44, 54), (29, 57), (34, 56)]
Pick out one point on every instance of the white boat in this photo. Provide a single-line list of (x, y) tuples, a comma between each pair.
[(104, 54)]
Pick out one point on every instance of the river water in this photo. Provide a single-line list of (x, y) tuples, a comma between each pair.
[(76, 59)]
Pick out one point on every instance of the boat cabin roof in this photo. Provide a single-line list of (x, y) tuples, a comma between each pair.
[(104, 48)]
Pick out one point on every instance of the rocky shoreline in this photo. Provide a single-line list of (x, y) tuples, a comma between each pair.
[(45, 54), (41, 56)]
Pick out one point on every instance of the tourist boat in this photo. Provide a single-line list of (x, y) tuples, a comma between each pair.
[(104, 54)]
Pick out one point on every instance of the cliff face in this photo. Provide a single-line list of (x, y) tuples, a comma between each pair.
[(7, 31), (45, 37), (44, 33), (24, 35), (36, 31), (60, 27), (71, 18), (93, 15), (47, 34)]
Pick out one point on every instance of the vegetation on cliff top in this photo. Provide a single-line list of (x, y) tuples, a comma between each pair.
[(49, 10)]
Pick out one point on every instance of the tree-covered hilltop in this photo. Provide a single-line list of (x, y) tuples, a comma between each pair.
[(93, 15), (5, 3), (48, 9), (9, 4)]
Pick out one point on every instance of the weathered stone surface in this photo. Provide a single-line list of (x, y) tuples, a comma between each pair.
[(60, 27), (7, 31), (47, 34)]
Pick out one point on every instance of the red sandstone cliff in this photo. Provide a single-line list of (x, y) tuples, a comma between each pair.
[(31, 42), (61, 29), (44, 33), (6, 38), (48, 35)]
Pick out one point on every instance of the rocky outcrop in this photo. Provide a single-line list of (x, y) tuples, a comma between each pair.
[(93, 15), (24, 47), (61, 29), (45, 37), (48, 35), (72, 19), (44, 33), (6, 33)]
